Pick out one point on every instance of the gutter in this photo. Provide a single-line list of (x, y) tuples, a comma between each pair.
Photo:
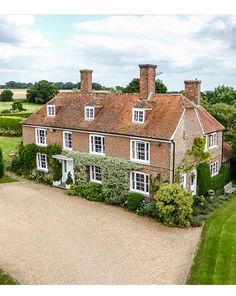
[(173, 165)]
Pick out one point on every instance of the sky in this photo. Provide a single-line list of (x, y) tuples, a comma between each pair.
[(55, 47)]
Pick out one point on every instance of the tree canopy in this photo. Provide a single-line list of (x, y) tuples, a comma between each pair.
[(133, 86), (42, 92), (220, 94), (6, 95)]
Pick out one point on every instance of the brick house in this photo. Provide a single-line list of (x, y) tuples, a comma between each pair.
[(151, 129)]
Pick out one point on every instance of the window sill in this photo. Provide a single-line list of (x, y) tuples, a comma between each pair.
[(212, 175), (96, 181), (67, 149), (42, 145), (96, 153), (42, 170), (212, 147), (140, 161), (140, 192)]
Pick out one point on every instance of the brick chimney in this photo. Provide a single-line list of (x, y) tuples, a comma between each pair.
[(86, 81), (192, 90), (147, 80)]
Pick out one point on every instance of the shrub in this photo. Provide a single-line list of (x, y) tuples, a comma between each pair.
[(196, 222), (220, 180), (69, 179), (1, 164), (134, 201), (57, 170), (10, 126), (204, 180), (5, 111), (40, 177), (174, 205), (6, 95), (16, 166), (17, 106), (148, 209), (91, 191)]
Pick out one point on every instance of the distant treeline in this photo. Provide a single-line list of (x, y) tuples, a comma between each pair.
[(61, 85)]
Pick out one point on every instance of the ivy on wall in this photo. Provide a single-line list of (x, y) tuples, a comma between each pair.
[(115, 173)]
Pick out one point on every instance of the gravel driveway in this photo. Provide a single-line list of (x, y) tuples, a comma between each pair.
[(48, 237)]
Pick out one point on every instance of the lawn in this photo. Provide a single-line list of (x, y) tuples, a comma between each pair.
[(6, 279), (9, 144), (30, 108), (7, 179), (215, 261)]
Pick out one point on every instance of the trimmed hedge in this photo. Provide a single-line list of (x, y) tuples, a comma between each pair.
[(204, 180), (18, 114), (10, 126), (220, 180)]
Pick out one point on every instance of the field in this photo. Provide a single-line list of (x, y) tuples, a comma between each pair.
[(30, 108), (8, 145), (215, 262), (21, 93)]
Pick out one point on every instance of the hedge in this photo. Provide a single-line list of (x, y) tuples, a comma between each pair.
[(220, 180), (204, 180), (20, 114), (10, 126)]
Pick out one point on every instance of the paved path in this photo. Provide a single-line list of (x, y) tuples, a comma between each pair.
[(48, 237)]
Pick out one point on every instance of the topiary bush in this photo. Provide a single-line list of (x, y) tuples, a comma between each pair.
[(6, 95), (204, 180), (134, 201), (174, 205), (1, 164)]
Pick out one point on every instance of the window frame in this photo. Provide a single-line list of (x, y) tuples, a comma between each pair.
[(184, 176), (39, 162), (85, 113), (133, 115), (146, 177), (214, 141), (54, 112), (146, 152), (92, 169), (217, 168), (64, 138), (92, 144), (37, 137)]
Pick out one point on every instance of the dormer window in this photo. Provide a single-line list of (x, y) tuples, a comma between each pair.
[(51, 110), (138, 115), (89, 113)]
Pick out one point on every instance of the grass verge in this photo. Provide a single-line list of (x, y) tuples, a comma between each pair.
[(215, 261), (6, 279)]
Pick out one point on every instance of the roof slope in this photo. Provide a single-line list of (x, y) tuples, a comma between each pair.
[(209, 123), (115, 116)]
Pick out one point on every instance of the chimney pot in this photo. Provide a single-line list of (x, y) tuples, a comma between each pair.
[(147, 80), (193, 90), (86, 81)]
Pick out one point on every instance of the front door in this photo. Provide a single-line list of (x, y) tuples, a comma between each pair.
[(67, 167), (193, 182)]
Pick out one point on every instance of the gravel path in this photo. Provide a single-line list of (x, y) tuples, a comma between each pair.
[(48, 237)]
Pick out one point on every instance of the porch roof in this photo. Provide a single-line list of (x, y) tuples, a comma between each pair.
[(62, 157)]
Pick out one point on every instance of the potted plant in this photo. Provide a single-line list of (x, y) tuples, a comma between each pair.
[(69, 181)]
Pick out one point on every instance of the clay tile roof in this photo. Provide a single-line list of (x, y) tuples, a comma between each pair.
[(115, 116), (226, 152), (208, 122)]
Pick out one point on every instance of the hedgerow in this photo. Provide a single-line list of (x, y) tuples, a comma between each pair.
[(10, 126)]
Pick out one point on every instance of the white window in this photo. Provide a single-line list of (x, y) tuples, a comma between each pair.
[(97, 144), (138, 115), (42, 164), (67, 140), (51, 110), (183, 181), (212, 141), (89, 113), (139, 182), (41, 137), (95, 174), (140, 151), (214, 168)]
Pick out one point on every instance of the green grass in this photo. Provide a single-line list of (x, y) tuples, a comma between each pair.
[(9, 144), (215, 262), (7, 179), (6, 279), (30, 108)]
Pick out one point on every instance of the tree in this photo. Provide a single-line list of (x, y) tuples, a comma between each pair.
[(42, 92), (174, 205), (220, 94), (17, 106), (6, 95), (133, 86), (1, 164), (225, 114)]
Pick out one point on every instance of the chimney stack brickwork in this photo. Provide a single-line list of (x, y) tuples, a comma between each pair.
[(193, 90), (86, 81), (147, 80)]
